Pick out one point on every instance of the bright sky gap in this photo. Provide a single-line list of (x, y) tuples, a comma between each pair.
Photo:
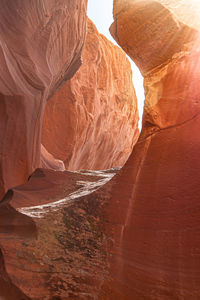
[(100, 12)]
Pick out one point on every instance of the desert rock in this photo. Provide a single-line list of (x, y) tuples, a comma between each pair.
[(155, 228), (91, 123), (41, 45)]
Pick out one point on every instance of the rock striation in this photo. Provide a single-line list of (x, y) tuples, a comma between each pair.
[(156, 246), (40, 48), (91, 122)]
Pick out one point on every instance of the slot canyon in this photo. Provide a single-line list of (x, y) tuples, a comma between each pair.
[(90, 207)]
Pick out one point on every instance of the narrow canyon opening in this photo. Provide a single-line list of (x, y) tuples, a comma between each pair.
[(92, 121), (101, 13)]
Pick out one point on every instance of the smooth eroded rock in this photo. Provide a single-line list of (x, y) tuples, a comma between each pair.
[(154, 204), (150, 32), (40, 48)]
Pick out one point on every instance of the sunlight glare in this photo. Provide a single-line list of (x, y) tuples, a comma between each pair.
[(187, 11)]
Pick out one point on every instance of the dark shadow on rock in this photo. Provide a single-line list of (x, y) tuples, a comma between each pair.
[(8, 291)]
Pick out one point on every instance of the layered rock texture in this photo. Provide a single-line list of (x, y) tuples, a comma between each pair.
[(41, 45), (156, 233), (91, 122)]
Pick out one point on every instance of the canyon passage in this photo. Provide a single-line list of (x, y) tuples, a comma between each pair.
[(91, 208)]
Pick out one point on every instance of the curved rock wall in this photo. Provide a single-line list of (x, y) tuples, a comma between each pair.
[(91, 123), (149, 32), (156, 242), (40, 48)]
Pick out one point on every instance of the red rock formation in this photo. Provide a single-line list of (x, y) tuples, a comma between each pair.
[(58, 253), (91, 123), (154, 206), (138, 237), (153, 35), (41, 44)]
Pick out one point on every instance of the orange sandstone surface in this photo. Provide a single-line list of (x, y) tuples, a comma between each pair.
[(49, 162), (52, 244), (154, 204), (41, 45), (64, 236), (91, 122)]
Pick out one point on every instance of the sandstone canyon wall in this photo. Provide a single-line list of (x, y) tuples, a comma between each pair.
[(91, 122), (154, 206), (41, 45), (138, 236)]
